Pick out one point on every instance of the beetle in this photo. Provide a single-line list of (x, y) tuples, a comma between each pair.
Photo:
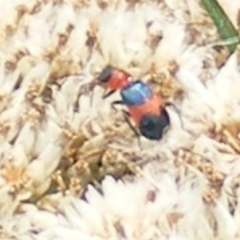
[(145, 108)]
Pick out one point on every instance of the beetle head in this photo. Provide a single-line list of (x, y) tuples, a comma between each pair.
[(106, 74)]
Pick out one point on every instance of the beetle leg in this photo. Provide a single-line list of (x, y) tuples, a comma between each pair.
[(126, 118), (105, 95), (114, 103), (177, 111)]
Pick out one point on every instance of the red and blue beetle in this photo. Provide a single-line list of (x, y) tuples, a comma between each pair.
[(146, 108)]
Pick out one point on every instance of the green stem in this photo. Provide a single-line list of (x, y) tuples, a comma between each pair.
[(224, 26)]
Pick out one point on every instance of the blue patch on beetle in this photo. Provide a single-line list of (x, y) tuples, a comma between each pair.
[(136, 93)]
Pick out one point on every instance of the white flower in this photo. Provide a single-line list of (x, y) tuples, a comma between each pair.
[(125, 210), (54, 125)]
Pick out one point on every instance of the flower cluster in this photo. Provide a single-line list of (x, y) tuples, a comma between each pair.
[(57, 134)]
